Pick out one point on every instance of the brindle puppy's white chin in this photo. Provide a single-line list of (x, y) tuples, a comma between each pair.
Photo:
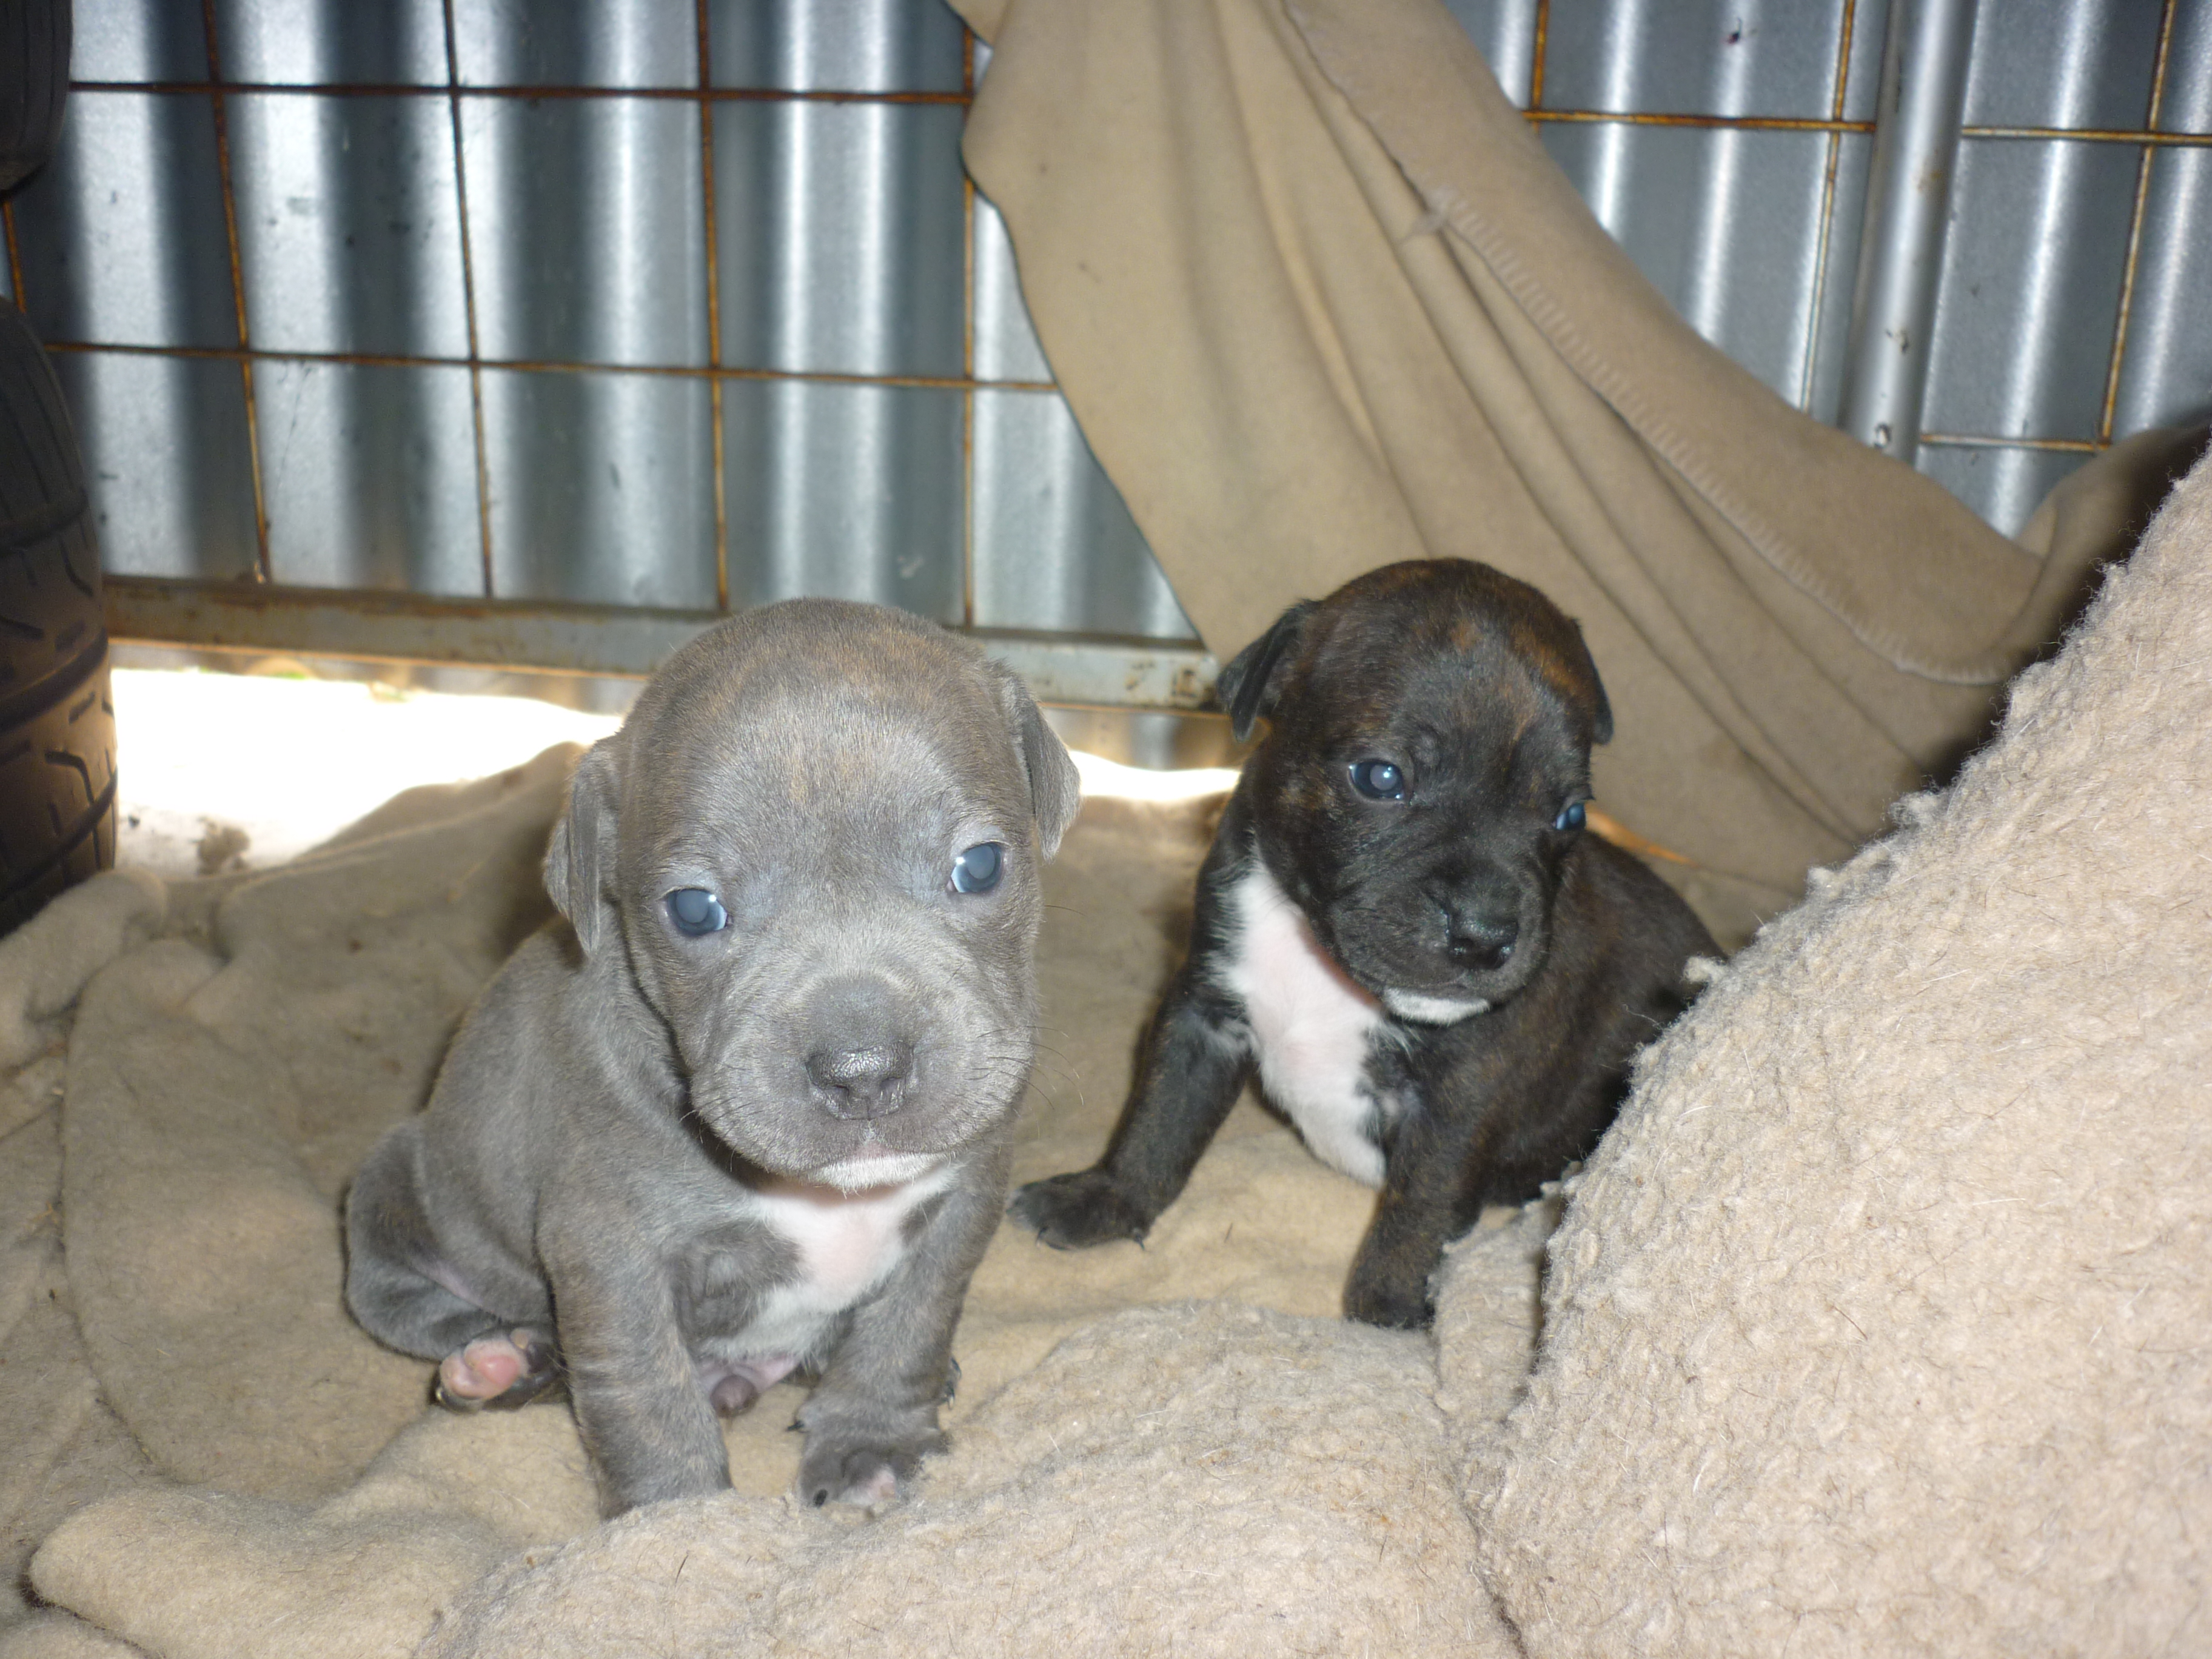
[(1431, 1011)]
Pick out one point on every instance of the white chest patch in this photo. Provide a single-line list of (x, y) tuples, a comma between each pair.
[(1310, 1024), (848, 1243)]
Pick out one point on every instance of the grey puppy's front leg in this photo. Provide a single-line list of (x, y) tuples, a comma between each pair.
[(872, 1418), (649, 1427)]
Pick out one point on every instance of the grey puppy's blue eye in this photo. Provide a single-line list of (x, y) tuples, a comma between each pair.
[(978, 869), (1378, 779), (696, 911), (1572, 817)]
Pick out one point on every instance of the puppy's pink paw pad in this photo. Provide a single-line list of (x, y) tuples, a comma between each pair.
[(486, 1367), (881, 1487), (506, 1369)]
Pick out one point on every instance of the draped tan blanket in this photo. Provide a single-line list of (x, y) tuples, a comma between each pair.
[(1321, 301)]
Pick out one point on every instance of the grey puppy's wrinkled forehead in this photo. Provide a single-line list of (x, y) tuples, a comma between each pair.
[(810, 704)]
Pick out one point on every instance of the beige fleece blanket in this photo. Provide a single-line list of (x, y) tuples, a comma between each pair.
[(1321, 301), (237, 1046), (1876, 1326), (1880, 1321)]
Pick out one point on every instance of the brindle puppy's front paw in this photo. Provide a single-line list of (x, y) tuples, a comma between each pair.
[(1073, 1211), (1394, 1307), (836, 1470)]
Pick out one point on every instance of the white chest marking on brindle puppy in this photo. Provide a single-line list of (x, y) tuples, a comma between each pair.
[(1312, 1026)]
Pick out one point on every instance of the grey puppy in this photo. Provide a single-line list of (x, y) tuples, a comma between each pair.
[(741, 1111)]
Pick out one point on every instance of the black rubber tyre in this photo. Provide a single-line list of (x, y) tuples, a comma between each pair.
[(57, 722), (35, 61)]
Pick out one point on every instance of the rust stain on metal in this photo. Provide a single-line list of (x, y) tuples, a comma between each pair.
[(214, 91), (2135, 230), (530, 94), (714, 312), (528, 366), (469, 303), (550, 636)]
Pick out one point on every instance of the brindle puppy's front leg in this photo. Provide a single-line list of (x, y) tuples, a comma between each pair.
[(648, 1425), (1196, 1059), (872, 1418), (1423, 1204)]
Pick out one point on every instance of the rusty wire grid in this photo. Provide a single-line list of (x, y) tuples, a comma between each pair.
[(454, 93), (2148, 138)]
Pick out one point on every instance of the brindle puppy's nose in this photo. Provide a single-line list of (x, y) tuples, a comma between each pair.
[(861, 1082), (1481, 938)]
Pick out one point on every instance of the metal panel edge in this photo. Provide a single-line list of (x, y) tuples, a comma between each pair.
[(619, 641)]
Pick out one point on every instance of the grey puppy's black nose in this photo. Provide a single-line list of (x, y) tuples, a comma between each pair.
[(861, 1082), (1477, 938)]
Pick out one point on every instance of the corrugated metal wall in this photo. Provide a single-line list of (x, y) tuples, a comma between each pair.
[(648, 303), (1726, 144), (625, 302)]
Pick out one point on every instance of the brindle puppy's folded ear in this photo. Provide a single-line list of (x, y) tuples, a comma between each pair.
[(579, 861), (1055, 788), (1602, 721), (1247, 687)]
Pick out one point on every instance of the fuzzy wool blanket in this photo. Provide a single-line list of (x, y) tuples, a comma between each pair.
[(1875, 1325), (182, 1129)]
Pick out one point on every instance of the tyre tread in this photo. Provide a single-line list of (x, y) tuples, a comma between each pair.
[(57, 790)]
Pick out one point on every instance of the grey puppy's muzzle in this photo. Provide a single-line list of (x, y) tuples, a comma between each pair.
[(859, 1055)]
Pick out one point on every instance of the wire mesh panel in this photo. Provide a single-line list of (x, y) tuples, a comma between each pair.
[(1727, 146), (639, 303), (614, 302), (2071, 116)]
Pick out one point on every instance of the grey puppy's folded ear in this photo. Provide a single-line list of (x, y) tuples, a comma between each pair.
[(1055, 788), (580, 859)]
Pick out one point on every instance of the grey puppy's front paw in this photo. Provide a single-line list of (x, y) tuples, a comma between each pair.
[(1073, 1211), (849, 1468)]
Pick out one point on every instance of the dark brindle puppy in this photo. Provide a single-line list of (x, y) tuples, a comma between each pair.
[(1402, 924)]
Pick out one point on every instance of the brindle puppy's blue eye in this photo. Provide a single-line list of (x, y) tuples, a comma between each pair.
[(1378, 779), (696, 911), (1572, 817), (978, 869)]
